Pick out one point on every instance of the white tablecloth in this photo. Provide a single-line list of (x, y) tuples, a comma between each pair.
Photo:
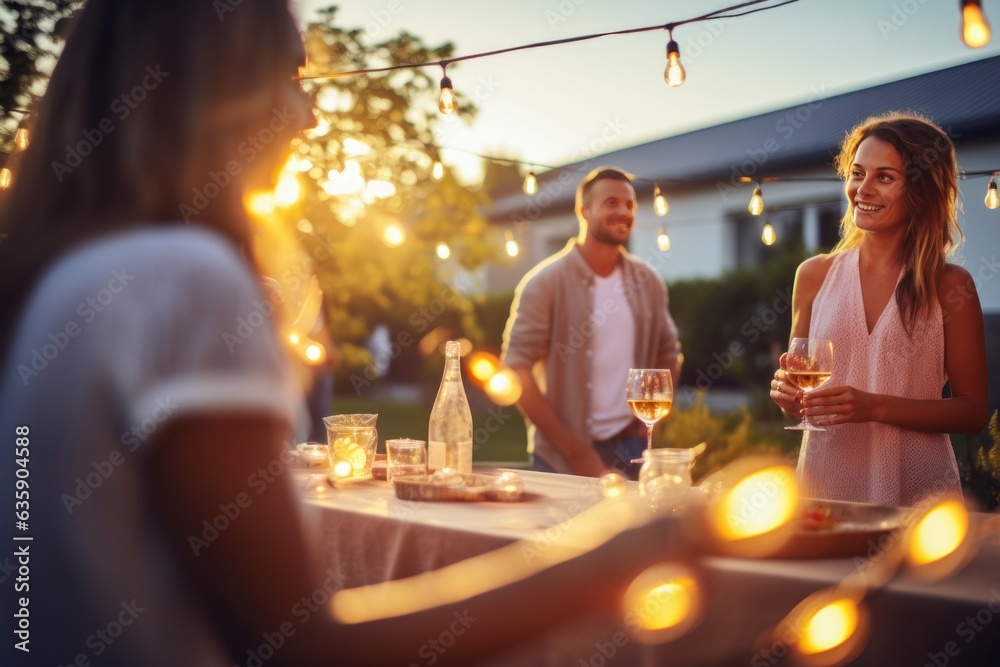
[(367, 535)]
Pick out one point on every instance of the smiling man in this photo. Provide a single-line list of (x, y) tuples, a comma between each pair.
[(579, 321)]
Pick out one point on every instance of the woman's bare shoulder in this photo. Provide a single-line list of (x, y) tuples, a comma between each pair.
[(812, 272)]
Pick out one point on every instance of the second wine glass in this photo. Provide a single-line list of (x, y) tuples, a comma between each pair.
[(650, 395)]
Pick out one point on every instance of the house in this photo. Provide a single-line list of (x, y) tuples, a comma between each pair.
[(702, 174)]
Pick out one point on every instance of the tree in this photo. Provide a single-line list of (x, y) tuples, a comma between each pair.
[(370, 165), (31, 36)]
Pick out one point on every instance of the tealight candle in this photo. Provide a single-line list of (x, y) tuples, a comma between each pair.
[(611, 485), (508, 486), (314, 456)]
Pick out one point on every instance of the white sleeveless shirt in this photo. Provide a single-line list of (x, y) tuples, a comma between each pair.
[(872, 462)]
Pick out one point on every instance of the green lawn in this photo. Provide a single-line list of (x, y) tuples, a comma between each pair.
[(499, 432)]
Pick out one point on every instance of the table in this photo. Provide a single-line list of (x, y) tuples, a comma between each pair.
[(366, 535)]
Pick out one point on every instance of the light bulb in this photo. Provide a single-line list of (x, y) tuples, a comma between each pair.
[(511, 245), (660, 205), (992, 198), (394, 235), (437, 171), (674, 74), (662, 240), (530, 184), (5, 178), (443, 251), (975, 29), (447, 101), (21, 139), (768, 236), (756, 206)]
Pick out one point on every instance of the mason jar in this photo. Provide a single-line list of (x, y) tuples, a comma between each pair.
[(665, 475)]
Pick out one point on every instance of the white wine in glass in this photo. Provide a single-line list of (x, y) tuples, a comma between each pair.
[(809, 365), (650, 395)]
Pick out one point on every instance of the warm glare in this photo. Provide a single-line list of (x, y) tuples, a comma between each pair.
[(394, 235), (483, 365), (260, 204), (504, 388), (759, 503), (939, 533), (288, 190), (832, 625)]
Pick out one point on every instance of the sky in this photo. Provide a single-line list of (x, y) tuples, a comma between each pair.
[(554, 105)]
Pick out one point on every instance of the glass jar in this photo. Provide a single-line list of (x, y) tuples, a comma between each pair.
[(665, 475)]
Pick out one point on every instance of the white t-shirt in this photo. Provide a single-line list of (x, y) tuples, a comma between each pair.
[(614, 354), (119, 338)]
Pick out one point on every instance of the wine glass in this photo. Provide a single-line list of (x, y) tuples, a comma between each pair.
[(809, 365), (650, 394)]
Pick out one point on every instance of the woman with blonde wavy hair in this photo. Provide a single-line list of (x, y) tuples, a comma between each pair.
[(903, 321)]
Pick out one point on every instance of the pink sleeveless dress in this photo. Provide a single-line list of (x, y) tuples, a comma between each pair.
[(876, 463)]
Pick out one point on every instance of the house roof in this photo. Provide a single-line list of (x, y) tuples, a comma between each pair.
[(964, 100)]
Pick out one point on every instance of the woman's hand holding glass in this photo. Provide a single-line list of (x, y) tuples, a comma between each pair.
[(808, 365)]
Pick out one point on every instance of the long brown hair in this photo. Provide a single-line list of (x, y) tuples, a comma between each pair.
[(147, 105), (931, 195)]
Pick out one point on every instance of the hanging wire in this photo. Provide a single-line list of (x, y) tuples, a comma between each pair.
[(717, 14)]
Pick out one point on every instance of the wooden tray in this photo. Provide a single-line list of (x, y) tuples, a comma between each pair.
[(857, 530), (419, 487)]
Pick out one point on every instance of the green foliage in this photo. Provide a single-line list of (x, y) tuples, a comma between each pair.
[(728, 437), (30, 40), (733, 328), (984, 471), (379, 130)]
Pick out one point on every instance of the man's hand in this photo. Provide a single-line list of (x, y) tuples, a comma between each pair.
[(587, 463)]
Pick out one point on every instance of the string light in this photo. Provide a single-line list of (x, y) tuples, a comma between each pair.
[(768, 235), (437, 171), (21, 138), (447, 101), (662, 240), (5, 178), (443, 251), (511, 245), (975, 29), (756, 206), (992, 198), (723, 13), (660, 205), (674, 73), (530, 186)]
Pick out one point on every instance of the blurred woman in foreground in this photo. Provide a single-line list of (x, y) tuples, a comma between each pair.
[(141, 423)]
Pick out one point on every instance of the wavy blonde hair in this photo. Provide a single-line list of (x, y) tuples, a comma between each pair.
[(931, 196)]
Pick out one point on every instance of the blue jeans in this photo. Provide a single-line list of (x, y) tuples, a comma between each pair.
[(616, 452)]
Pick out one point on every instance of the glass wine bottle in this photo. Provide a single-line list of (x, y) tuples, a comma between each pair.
[(449, 434)]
